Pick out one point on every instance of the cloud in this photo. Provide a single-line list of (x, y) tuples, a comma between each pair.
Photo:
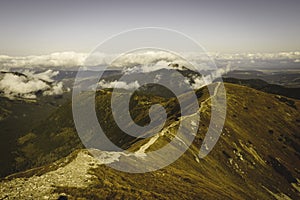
[(45, 76), (256, 56), (119, 84), (13, 85), (259, 60), (143, 58), (54, 60), (157, 78), (29, 84), (131, 62), (72, 60), (196, 81), (56, 89), (201, 81), (146, 68)]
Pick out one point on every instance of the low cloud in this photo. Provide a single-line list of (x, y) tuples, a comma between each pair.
[(202, 61), (146, 68), (29, 85), (201, 81), (54, 60), (195, 81), (56, 89), (254, 61), (119, 84), (143, 58)]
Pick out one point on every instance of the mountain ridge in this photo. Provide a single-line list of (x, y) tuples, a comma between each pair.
[(240, 166)]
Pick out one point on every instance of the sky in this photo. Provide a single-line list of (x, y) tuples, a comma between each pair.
[(231, 26)]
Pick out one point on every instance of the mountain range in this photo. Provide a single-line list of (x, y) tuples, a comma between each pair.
[(256, 157)]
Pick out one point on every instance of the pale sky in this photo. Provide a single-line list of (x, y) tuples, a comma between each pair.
[(42, 27)]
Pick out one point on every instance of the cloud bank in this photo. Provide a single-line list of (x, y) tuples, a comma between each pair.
[(54, 60), (29, 85), (73, 60)]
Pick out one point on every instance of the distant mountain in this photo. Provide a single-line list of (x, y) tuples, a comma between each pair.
[(256, 157), (266, 87), (287, 78)]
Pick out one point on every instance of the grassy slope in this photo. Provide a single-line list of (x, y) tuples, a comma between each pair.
[(17, 117), (258, 153)]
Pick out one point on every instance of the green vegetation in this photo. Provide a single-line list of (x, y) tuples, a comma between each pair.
[(256, 157)]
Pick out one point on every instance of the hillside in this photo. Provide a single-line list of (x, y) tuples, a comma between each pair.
[(266, 87), (18, 117), (256, 157)]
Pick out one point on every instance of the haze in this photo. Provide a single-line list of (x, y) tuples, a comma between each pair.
[(43, 27)]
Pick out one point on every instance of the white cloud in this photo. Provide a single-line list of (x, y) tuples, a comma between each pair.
[(28, 84), (56, 89), (200, 82), (157, 78), (143, 58), (67, 60), (54, 60), (46, 76), (119, 84), (256, 56), (13, 85), (297, 61), (146, 68)]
